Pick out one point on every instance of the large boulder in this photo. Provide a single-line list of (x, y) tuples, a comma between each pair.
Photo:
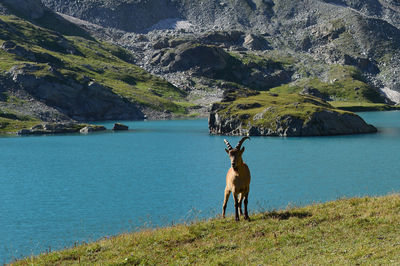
[(203, 58), (119, 127)]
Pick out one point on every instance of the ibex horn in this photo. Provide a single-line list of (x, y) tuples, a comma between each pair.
[(227, 144), (241, 142)]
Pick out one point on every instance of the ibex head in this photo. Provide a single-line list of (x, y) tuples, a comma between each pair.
[(235, 154)]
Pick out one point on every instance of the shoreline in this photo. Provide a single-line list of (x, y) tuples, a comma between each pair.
[(160, 116)]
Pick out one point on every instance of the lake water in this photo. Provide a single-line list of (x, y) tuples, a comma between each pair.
[(62, 189)]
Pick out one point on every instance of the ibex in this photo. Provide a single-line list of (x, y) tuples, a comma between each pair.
[(237, 180)]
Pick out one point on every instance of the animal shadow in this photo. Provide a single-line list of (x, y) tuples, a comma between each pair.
[(285, 215)]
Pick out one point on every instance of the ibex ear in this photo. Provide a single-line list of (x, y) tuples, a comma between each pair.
[(227, 151), (242, 150)]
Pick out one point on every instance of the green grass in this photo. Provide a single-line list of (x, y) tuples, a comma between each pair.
[(344, 232), (11, 122), (363, 106), (345, 83)]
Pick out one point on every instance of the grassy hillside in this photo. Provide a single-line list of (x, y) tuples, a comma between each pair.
[(343, 83), (78, 57), (11, 122), (347, 231), (53, 56)]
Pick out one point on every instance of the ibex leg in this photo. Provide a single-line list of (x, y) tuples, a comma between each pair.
[(240, 204), (246, 200), (235, 197), (226, 198)]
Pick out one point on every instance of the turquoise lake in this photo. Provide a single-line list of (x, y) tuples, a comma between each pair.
[(65, 189)]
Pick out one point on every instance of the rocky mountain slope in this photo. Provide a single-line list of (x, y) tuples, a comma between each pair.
[(53, 71), (315, 34)]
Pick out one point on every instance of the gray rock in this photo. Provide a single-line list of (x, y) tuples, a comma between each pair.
[(206, 59), (223, 37), (255, 42), (118, 126), (89, 129)]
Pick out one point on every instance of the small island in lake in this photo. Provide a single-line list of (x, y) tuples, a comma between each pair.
[(287, 115)]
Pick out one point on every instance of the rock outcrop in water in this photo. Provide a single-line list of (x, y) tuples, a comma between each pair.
[(120, 127), (322, 123), (286, 116), (60, 128)]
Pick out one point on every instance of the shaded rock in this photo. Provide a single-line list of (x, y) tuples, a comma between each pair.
[(118, 126), (160, 44), (364, 64), (206, 59), (82, 102), (33, 9), (13, 48)]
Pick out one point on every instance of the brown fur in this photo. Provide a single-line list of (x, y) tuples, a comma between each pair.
[(237, 181)]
